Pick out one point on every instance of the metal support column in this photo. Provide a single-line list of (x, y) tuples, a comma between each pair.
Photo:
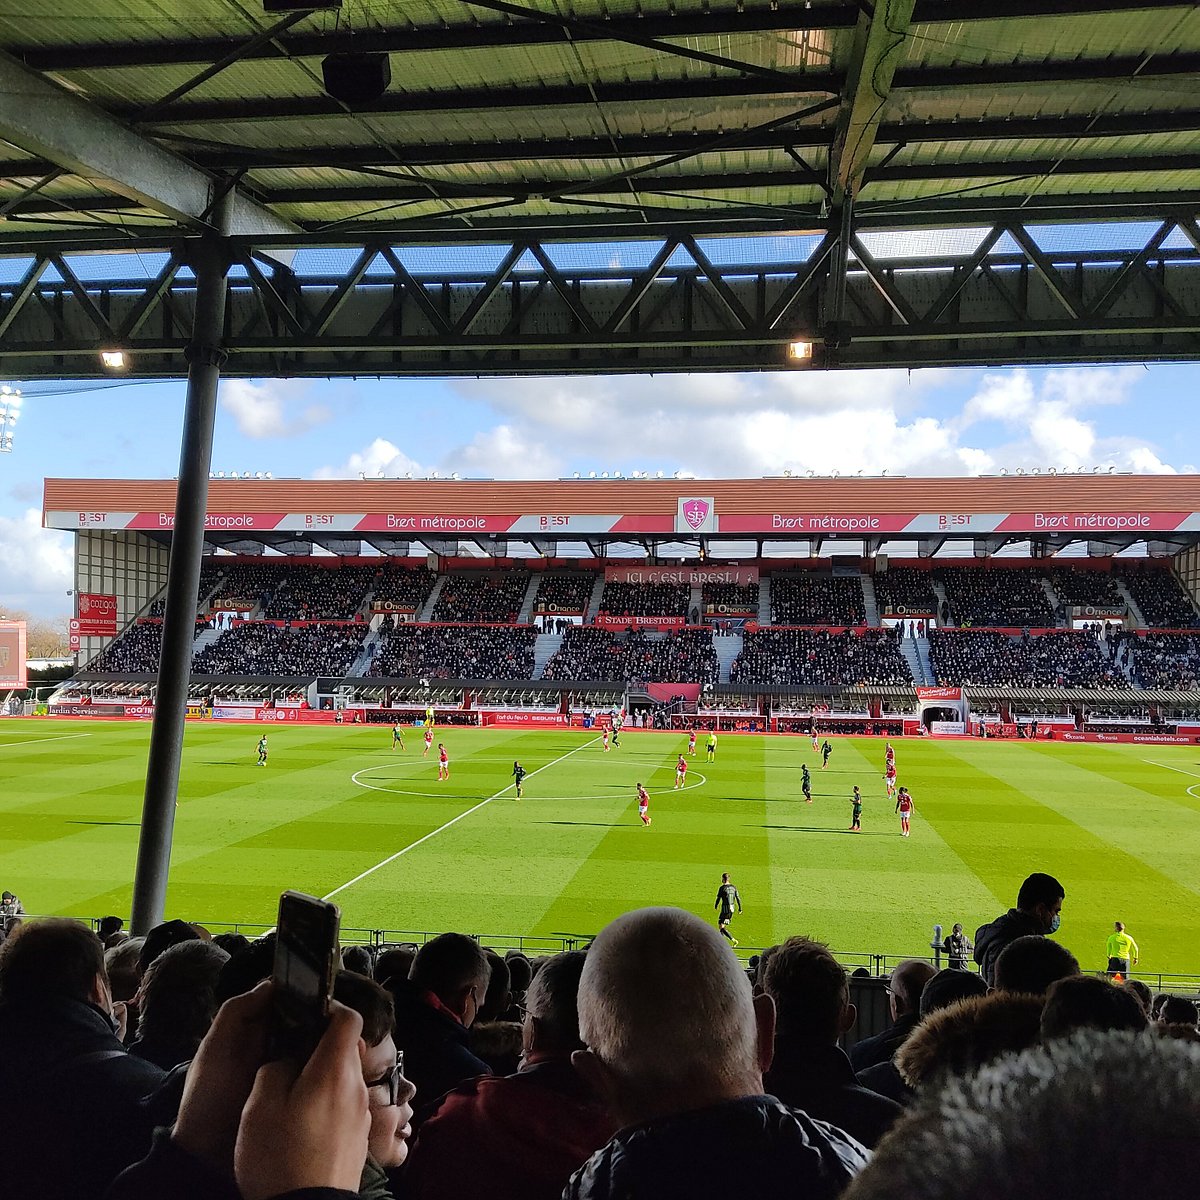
[(183, 581)]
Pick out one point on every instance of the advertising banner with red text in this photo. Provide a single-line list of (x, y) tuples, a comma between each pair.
[(606, 620), (503, 717), (933, 694)]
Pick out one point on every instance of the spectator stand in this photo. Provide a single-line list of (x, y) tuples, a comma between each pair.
[(1160, 597), (562, 598), (829, 657), (812, 599)]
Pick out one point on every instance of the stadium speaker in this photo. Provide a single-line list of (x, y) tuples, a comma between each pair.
[(356, 78), (299, 5), (431, 561), (881, 563)]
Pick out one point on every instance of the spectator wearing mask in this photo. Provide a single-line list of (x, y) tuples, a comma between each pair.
[(1039, 903), (73, 1121), (677, 1044), (522, 1136), (809, 1069), (904, 1002), (435, 1009)]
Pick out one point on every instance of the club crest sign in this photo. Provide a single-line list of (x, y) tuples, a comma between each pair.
[(697, 514)]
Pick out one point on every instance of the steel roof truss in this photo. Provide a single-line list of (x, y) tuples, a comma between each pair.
[(26, 289)]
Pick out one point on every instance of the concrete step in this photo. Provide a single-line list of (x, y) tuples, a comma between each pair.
[(870, 603)]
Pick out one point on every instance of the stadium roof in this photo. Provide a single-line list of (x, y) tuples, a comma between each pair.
[(1110, 511), (617, 112), (649, 184)]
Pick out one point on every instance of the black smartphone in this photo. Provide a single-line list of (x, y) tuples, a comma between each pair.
[(306, 961)]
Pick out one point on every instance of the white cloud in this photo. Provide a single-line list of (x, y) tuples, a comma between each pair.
[(747, 425), (36, 566), (271, 408), (381, 457)]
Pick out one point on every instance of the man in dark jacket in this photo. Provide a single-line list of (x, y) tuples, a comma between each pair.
[(519, 1137), (677, 1044), (810, 1070), (435, 1007), (1039, 903), (73, 1119), (907, 981)]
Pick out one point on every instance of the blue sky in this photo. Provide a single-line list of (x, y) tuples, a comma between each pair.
[(962, 422)]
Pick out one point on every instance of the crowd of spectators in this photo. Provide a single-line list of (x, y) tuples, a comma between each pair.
[(651, 1064), (1161, 598), (490, 597), (720, 599), (681, 656), (817, 600), (904, 588), (1165, 660), (249, 584), (1077, 587), (455, 652), (137, 648), (984, 656), (563, 593), (405, 588), (645, 599), (997, 596), (818, 657), (256, 648), (319, 594)]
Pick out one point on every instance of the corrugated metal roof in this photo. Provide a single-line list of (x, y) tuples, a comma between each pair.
[(499, 99)]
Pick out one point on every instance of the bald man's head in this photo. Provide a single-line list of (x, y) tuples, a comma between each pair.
[(666, 1012)]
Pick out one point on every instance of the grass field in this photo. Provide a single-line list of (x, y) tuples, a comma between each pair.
[(1118, 824)]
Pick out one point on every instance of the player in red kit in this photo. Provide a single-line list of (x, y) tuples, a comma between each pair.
[(443, 762), (681, 772), (904, 806), (889, 756), (605, 736), (889, 778), (643, 804), (692, 743), (428, 742)]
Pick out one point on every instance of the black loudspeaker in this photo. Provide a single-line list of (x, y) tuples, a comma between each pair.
[(356, 78)]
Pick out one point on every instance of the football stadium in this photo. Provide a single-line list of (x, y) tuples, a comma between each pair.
[(416, 834)]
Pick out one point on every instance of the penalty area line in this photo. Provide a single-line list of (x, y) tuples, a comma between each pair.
[(1168, 767), (453, 821)]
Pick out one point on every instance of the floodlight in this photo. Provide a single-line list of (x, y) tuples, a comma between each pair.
[(113, 360), (658, 474), (800, 351)]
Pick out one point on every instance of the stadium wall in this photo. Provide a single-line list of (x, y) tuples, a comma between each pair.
[(130, 566)]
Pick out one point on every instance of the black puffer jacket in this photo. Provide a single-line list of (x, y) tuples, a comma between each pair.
[(991, 939), (756, 1144)]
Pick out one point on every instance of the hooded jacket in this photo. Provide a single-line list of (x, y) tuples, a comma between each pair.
[(992, 938), (755, 1145)]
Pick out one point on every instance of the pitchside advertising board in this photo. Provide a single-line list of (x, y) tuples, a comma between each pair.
[(692, 515), (13, 671)]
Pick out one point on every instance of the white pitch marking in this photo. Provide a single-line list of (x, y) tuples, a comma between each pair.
[(1168, 767), (453, 821), (701, 780), (58, 737)]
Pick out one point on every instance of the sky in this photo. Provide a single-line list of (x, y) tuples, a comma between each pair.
[(937, 422)]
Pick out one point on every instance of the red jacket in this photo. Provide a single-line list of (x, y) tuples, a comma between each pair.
[(516, 1137)]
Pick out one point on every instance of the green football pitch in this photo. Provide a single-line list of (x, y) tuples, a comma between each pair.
[(336, 810)]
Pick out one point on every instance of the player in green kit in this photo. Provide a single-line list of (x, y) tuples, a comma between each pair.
[(262, 751), (806, 782), (518, 778), (856, 812), (397, 736)]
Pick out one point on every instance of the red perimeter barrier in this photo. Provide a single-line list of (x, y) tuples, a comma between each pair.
[(1141, 739)]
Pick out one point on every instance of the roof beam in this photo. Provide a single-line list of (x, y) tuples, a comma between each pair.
[(879, 40), (777, 18), (655, 91), (44, 119), (217, 156)]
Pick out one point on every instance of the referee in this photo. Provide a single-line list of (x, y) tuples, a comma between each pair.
[(1120, 947)]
